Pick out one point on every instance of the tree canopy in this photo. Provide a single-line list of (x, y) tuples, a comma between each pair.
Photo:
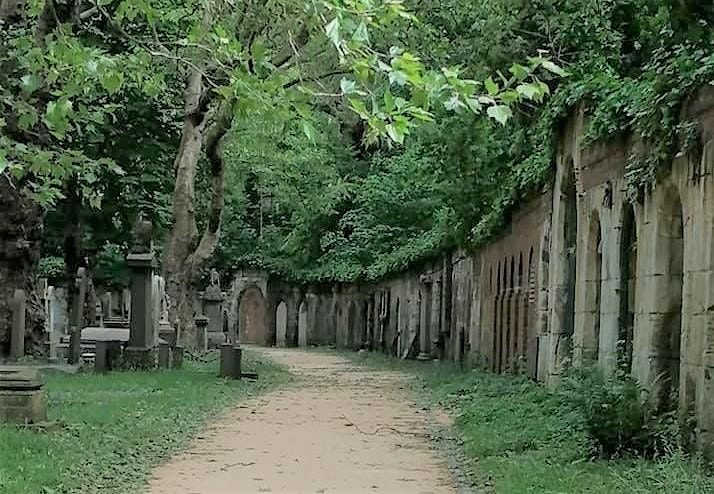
[(351, 133)]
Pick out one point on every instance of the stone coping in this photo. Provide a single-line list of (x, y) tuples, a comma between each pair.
[(20, 379)]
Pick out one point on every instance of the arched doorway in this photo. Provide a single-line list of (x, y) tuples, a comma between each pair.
[(281, 324), (252, 326), (302, 324)]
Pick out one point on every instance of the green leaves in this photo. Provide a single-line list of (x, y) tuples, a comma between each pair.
[(500, 113), (57, 116)]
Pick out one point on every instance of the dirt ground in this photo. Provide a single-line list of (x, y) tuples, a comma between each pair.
[(340, 429)]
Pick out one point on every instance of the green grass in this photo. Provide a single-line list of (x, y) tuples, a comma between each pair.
[(519, 438), (111, 430)]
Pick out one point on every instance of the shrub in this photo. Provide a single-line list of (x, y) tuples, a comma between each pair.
[(110, 268), (51, 267), (618, 413)]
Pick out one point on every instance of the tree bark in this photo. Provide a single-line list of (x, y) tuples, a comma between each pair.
[(187, 253), (20, 240)]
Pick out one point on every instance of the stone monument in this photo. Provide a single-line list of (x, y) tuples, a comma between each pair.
[(141, 352), (213, 310)]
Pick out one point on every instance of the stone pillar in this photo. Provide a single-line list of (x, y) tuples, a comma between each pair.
[(75, 339), (424, 312), (201, 333), (141, 349), (435, 323), (293, 319), (17, 336)]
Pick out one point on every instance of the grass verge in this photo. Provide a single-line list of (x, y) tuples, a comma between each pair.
[(111, 430), (519, 438)]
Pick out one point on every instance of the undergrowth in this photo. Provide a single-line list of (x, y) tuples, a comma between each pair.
[(519, 437)]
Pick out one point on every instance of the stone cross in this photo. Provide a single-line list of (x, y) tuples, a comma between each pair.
[(17, 336)]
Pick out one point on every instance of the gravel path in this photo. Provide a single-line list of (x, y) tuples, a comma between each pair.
[(340, 428)]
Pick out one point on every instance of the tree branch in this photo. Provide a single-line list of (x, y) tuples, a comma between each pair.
[(333, 73)]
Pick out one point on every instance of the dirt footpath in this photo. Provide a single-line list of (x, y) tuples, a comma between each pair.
[(339, 429)]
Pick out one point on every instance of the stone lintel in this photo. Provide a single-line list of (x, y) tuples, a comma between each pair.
[(141, 260)]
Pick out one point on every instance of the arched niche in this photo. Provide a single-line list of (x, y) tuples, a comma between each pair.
[(252, 326), (281, 324), (628, 285)]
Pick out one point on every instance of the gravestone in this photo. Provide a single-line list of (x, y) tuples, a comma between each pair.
[(177, 357), (213, 309), (141, 354), (22, 396), (106, 355), (17, 334)]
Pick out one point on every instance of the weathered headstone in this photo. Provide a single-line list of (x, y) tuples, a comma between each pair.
[(201, 323), (140, 353), (213, 309), (17, 335), (22, 396), (75, 350), (177, 357), (227, 365)]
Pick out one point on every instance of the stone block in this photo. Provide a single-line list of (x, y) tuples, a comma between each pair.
[(22, 396), (227, 364), (164, 355)]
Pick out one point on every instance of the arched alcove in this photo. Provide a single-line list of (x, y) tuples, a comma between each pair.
[(628, 295), (281, 324), (252, 327)]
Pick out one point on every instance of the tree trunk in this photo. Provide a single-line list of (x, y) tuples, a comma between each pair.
[(72, 242), (180, 281), (20, 239), (187, 254)]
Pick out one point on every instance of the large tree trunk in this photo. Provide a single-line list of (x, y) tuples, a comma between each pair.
[(187, 253), (20, 238)]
